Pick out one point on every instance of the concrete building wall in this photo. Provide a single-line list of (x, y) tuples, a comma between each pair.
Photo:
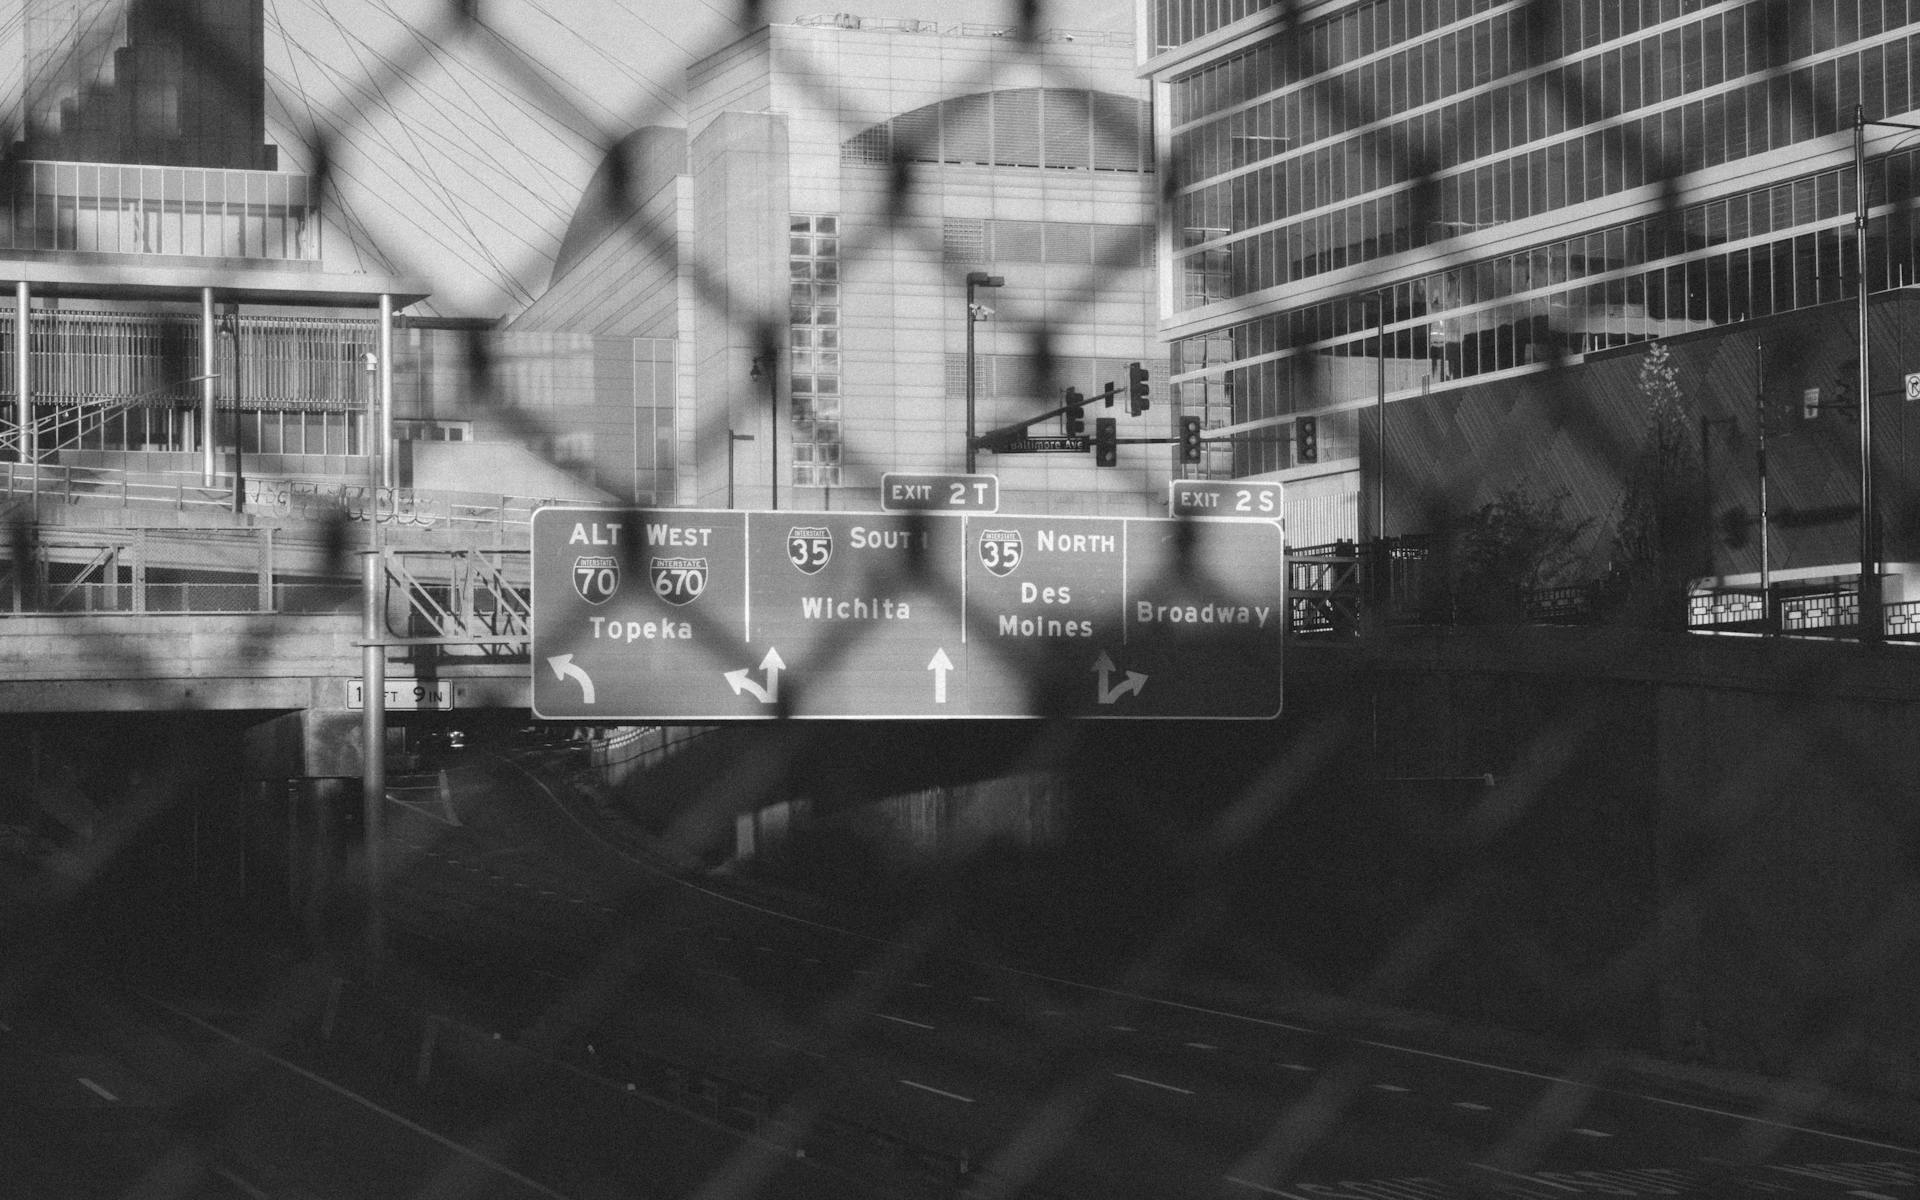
[(740, 171)]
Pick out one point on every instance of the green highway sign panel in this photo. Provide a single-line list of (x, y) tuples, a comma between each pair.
[(703, 615)]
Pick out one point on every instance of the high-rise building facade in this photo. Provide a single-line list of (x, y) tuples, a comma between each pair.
[(1412, 197), (800, 252), (164, 82)]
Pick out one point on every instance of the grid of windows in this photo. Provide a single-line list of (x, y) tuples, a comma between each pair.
[(1076, 242), (654, 367), (271, 431), (1303, 148), (1786, 247), (81, 356), (117, 209), (813, 261), (1061, 128), (1177, 22), (1289, 196)]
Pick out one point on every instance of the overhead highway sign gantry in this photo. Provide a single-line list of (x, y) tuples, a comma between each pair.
[(711, 615)]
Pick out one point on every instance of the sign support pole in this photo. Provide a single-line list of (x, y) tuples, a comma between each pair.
[(373, 716)]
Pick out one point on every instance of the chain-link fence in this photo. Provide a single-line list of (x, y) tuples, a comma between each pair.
[(1580, 860)]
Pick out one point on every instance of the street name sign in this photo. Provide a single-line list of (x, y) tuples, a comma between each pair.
[(902, 492), (1044, 445), (1258, 498), (704, 615)]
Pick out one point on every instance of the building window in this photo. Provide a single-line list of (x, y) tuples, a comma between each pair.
[(1054, 128), (813, 341), (412, 430)]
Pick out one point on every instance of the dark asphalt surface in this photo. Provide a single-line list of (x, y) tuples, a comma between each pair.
[(680, 1034)]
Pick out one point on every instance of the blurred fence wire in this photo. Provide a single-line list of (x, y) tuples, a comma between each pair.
[(1562, 832)]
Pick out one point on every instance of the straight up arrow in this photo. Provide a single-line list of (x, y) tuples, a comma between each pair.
[(940, 665)]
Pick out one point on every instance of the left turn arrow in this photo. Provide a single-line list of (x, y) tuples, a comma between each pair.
[(562, 665)]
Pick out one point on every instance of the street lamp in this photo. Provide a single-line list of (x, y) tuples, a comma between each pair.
[(975, 279), (767, 365)]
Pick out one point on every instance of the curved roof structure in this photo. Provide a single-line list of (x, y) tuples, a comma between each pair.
[(648, 158), (1059, 128)]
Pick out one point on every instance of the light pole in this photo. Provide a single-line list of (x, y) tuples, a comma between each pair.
[(975, 279), (230, 325), (1871, 614), (767, 365)]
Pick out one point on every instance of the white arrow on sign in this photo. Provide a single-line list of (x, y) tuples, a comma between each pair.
[(1133, 682), (769, 694), (940, 665), (562, 665)]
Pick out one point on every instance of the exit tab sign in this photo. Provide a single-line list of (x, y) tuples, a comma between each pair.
[(1257, 498), (901, 492)]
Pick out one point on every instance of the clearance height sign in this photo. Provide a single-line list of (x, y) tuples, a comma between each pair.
[(680, 614)]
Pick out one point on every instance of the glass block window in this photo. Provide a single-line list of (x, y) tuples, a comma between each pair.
[(813, 343)]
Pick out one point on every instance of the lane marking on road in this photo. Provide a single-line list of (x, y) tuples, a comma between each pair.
[(1262, 1188), (1201, 1046), (1545, 1183), (1152, 1083), (652, 867), (1123, 1029), (96, 1089), (353, 1097), (938, 1091), (1644, 1097), (251, 1191), (1297, 1067), (982, 999), (1470, 1106), (920, 984), (1592, 1133), (792, 1047), (903, 1021), (1871, 1195)]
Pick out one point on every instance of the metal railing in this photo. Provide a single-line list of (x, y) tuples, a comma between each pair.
[(56, 485), (471, 596)]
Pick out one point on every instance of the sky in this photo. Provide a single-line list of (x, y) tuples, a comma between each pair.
[(462, 150)]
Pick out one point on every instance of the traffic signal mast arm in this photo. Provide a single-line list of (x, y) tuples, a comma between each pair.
[(1007, 433)]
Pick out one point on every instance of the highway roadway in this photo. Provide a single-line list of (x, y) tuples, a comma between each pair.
[(678, 1033)]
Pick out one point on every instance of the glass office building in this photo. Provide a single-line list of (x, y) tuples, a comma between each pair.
[(1423, 193)]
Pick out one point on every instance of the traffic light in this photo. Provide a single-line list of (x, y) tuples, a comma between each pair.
[(1189, 439), (1306, 440), (1106, 447), (1076, 416), (1138, 401)]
